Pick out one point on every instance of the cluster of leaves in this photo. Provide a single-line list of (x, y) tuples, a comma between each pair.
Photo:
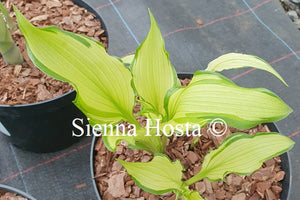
[(10, 52), (107, 89)]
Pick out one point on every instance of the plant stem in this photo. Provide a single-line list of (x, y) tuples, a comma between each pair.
[(194, 179), (155, 144), (8, 19), (164, 142), (10, 52)]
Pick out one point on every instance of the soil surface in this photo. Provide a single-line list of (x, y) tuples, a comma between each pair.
[(10, 196), (24, 83), (114, 183)]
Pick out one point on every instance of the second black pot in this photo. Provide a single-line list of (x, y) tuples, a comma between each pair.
[(45, 126), (41, 127), (16, 191)]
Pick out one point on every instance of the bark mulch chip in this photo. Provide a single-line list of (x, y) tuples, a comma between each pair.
[(24, 83), (10, 196)]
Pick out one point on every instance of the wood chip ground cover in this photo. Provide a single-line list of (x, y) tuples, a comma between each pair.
[(24, 83), (10, 196)]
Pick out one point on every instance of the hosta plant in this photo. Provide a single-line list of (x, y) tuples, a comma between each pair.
[(107, 92)]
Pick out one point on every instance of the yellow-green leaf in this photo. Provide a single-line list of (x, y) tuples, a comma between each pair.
[(207, 99), (157, 176), (102, 82), (153, 74), (242, 154), (238, 60)]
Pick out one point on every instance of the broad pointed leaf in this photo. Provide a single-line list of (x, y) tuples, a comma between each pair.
[(242, 154), (172, 101), (157, 176), (240, 107), (102, 82), (153, 74), (238, 60)]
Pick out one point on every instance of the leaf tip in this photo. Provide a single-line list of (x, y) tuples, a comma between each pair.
[(285, 83), (21, 20), (152, 20), (150, 13), (18, 13)]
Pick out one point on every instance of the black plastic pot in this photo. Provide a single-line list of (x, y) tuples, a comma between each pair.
[(45, 126), (286, 167), (16, 191), (92, 154), (285, 160)]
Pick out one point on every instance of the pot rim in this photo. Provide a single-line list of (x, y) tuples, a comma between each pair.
[(290, 176), (38, 103), (286, 168), (92, 10), (92, 168), (17, 191)]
